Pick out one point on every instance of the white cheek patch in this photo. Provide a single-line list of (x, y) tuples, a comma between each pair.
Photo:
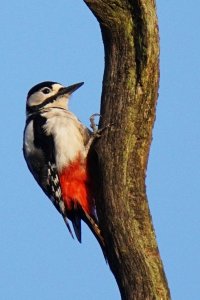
[(36, 99)]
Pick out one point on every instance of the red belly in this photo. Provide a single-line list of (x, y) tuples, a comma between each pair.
[(75, 186)]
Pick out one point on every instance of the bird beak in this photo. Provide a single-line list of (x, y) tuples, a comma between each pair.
[(69, 89)]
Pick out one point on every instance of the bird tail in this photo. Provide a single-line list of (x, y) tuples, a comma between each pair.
[(94, 227), (78, 214)]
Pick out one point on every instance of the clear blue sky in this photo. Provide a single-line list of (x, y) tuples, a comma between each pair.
[(61, 41)]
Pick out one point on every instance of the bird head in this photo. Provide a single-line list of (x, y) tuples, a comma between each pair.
[(49, 94)]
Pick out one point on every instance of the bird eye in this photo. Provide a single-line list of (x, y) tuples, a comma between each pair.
[(46, 91)]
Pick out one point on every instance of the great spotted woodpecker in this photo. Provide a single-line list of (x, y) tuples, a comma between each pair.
[(55, 148)]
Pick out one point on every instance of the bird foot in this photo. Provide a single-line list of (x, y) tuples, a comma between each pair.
[(93, 125), (96, 132)]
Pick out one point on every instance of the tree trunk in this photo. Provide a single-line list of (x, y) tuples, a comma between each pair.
[(130, 90)]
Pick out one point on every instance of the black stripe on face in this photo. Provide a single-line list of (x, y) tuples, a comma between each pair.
[(62, 91), (36, 108), (37, 88)]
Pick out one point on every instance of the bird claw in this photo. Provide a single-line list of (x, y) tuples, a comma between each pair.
[(97, 132), (93, 125)]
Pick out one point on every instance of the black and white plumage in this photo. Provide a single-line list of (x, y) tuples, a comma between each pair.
[(55, 148)]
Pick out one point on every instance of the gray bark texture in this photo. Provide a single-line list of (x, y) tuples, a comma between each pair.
[(130, 90)]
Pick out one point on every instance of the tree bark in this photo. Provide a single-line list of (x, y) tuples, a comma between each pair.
[(130, 90)]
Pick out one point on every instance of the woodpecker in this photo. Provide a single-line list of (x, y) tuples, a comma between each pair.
[(55, 147)]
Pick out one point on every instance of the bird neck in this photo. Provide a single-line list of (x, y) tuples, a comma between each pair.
[(61, 103)]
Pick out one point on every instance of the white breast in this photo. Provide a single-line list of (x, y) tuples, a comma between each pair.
[(66, 131)]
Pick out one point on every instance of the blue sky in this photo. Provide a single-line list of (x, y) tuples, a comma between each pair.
[(42, 40)]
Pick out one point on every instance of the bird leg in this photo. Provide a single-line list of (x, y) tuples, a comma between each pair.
[(96, 132), (93, 125)]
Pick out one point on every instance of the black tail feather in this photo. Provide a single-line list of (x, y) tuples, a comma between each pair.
[(76, 222), (68, 226), (78, 214), (93, 225)]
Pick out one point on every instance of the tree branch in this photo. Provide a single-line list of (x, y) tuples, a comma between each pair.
[(129, 95)]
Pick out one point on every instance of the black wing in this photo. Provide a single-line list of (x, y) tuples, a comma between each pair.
[(41, 163)]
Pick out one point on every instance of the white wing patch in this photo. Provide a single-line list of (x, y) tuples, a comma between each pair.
[(29, 138), (29, 147)]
